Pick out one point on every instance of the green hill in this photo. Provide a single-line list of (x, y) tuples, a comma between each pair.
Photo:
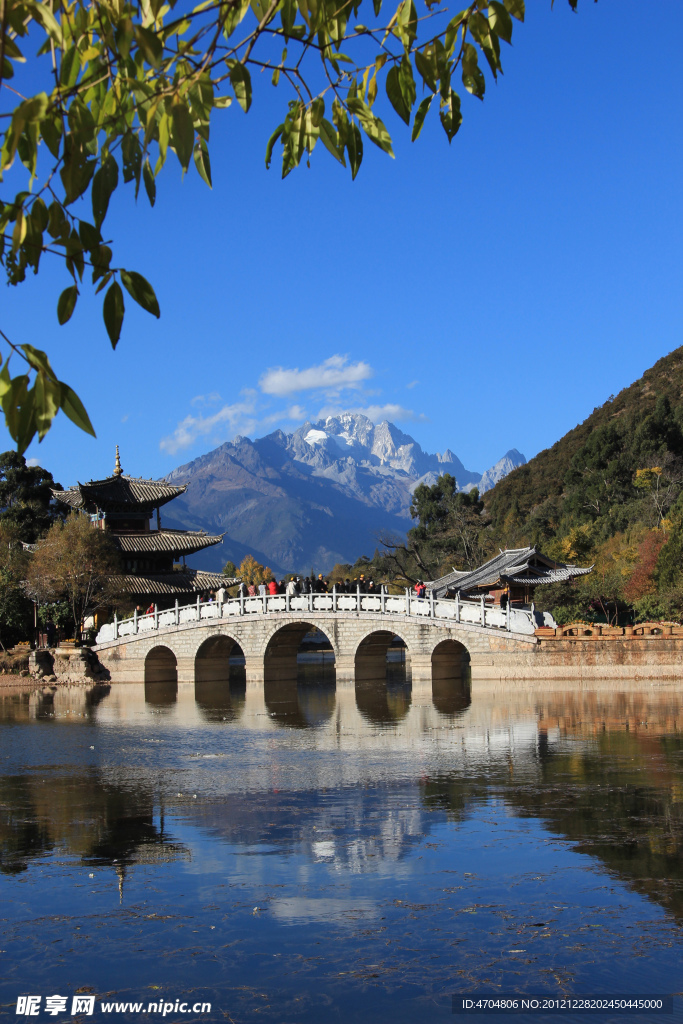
[(608, 492), (589, 475)]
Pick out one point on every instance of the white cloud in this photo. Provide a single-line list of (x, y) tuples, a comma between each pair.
[(334, 374), (32, 462), (412, 384), (209, 399), (376, 413), (337, 382), (234, 419)]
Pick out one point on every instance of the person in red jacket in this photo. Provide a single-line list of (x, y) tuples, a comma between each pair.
[(272, 588)]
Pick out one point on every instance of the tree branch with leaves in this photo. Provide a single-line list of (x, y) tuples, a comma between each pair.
[(121, 84)]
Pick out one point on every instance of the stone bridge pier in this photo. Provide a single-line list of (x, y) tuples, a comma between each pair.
[(434, 650)]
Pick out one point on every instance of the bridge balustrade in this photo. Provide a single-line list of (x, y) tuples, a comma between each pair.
[(475, 613)]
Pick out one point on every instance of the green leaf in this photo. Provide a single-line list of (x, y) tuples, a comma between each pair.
[(44, 16), (71, 66), (472, 75), (395, 94), (113, 310), (77, 170), (51, 131), (330, 141), (150, 182), (420, 116), (101, 258), (202, 162), (500, 21), (407, 82), (241, 83), (38, 360), (46, 403), (149, 44), (182, 133), (271, 143), (67, 303), (450, 115), (354, 148), (89, 236), (426, 65), (373, 126), (515, 8), (131, 151), (141, 290), (72, 405), (25, 422)]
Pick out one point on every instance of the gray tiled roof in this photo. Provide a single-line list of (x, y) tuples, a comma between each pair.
[(119, 494), (185, 581), (514, 565), (180, 542)]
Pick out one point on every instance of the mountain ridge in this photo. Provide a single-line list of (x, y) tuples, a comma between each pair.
[(322, 494)]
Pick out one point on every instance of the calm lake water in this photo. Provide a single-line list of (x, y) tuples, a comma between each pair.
[(310, 853)]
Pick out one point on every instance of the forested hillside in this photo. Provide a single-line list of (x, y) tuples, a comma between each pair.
[(610, 492)]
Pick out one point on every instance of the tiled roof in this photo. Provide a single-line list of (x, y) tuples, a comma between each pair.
[(185, 581), (180, 542), (119, 494), (514, 565)]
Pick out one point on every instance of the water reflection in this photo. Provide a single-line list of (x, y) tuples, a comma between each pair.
[(428, 830), (385, 703), (304, 703), (222, 701), (161, 696), (452, 697), (89, 819)]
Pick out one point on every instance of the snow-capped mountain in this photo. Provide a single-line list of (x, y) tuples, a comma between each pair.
[(324, 493)]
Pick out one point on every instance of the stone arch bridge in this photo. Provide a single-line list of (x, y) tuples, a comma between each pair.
[(195, 642)]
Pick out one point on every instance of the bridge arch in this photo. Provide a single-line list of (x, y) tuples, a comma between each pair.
[(450, 660), (212, 659), (371, 658), (161, 665), (283, 648)]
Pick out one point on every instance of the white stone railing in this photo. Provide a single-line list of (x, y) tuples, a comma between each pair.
[(476, 613)]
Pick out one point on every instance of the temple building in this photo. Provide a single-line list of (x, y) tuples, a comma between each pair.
[(123, 506), (515, 573)]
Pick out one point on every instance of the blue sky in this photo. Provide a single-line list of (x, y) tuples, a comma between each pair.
[(483, 296)]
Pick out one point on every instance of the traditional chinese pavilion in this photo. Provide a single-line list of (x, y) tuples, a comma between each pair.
[(515, 572), (124, 506)]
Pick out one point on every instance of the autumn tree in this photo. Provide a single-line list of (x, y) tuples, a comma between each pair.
[(116, 85), (76, 563), (251, 571)]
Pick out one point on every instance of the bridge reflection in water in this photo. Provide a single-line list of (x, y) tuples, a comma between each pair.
[(306, 696)]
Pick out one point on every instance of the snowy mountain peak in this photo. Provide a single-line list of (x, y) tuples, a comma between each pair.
[(317, 496), (511, 460)]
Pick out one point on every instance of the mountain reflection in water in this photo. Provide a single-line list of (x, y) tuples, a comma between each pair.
[(335, 810)]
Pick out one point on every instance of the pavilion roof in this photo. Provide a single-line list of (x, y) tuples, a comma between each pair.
[(175, 583), (179, 542), (119, 494), (522, 566)]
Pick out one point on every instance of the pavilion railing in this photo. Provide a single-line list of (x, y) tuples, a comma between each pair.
[(477, 613)]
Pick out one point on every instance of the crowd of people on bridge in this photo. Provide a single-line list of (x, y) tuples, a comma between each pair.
[(297, 585)]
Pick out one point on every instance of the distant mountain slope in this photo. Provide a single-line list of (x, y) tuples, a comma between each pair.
[(311, 498)]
